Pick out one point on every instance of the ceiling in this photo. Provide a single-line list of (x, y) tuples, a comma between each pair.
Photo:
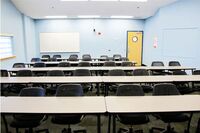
[(38, 9)]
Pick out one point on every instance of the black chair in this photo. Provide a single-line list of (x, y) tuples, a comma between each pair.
[(16, 88), (196, 85), (131, 119), (174, 63), (117, 57), (24, 73), (35, 60), (86, 57), (127, 63), (103, 58), (164, 90), (29, 121), (47, 57), (83, 72), (39, 64), (4, 73), (183, 87), (158, 72), (109, 63), (56, 56), (143, 72), (65, 91), (4, 87), (84, 64), (64, 64), (115, 72), (19, 65), (73, 57), (54, 73)]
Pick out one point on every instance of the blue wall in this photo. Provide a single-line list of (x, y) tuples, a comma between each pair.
[(22, 28), (177, 28), (111, 41)]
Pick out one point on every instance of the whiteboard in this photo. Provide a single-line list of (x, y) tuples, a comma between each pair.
[(60, 42)]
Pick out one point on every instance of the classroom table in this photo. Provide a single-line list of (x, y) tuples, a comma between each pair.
[(95, 63), (53, 80), (150, 104), (54, 105), (99, 69), (148, 79)]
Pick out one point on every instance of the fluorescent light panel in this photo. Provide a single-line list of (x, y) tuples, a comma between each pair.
[(121, 16), (88, 16), (55, 16)]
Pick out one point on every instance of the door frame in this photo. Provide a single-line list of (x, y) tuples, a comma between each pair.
[(142, 43)]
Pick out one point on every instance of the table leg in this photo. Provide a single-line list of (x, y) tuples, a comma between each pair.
[(5, 122), (114, 124), (98, 123), (98, 93), (109, 122)]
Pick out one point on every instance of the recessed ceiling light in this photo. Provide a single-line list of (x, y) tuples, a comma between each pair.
[(121, 16), (135, 0), (88, 16), (55, 16)]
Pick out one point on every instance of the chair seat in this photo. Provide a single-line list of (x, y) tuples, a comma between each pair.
[(174, 117), (24, 124), (66, 119), (133, 119)]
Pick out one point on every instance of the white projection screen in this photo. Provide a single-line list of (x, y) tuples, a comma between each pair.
[(60, 42)]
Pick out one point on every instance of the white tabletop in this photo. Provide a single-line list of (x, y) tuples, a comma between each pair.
[(100, 68), (53, 105), (102, 79), (150, 104), (150, 79), (48, 79)]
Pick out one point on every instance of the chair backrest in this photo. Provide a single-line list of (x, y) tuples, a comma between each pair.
[(35, 60), (82, 72), (109, 63), (165, 89), (124, 59), (55, 73), (64, 64), (130, 90), (46, 56), (69, 90), (39, 64), (174, 63), (117, 57), (196, 72), (57, 56), (86, 57), (140, 72), (18, 65), (157, 63), (179, 72), (53, 59), (32, 91), (73, 57), (127, 63), (24, 73), (116, 72), (4, 73), (84, 64), (103, 58)]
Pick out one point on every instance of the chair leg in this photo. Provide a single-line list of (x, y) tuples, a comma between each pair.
[(17, 130)]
